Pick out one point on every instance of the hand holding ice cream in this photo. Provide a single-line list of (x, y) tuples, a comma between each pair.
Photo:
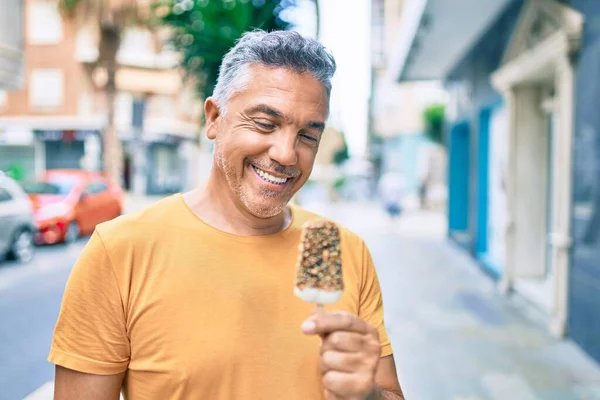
[(350, 350), (350, 353)]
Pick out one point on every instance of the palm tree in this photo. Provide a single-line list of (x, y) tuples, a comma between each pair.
[(110, 18)]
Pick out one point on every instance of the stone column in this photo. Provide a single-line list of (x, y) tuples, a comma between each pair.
[(505, 285), (560, 239)]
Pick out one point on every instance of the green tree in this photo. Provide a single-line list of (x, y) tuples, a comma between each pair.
[(434, 117), (342, 154), (203, 31), (110, 18)]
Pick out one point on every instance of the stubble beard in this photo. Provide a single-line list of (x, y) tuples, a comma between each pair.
[(252, 203)]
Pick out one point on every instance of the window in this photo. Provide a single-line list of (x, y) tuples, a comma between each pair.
[(96, 187), (46, 88), (377, 32), (54, 187), (137, 48), (44, 24), (85, 105), (162, 106), (138, 112), (124, 109), (4, 195), (100, 187), (86, 48)]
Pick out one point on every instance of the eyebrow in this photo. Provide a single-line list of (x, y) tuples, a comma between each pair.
[(316, 125), (265, 109)]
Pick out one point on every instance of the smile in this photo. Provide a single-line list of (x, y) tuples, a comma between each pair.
[(270, 178)]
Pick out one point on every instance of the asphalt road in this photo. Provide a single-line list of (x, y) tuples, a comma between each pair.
[(30, 297)]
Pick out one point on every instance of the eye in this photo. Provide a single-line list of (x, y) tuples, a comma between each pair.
[(308, 138), (265, 126)]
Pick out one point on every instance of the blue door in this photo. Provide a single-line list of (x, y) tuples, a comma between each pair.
[(483, 151), (492, 163), (458, 184)]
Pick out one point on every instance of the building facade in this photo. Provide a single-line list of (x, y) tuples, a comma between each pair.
[(583, 318), (12, 19), (157, 117), (397, 140), (58, 117), (46, 120), (11, 45), (523, 145)]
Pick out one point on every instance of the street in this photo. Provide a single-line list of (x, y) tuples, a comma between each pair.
[(454, 336), (30, 297)]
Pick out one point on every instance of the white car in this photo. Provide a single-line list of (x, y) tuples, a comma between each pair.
[(17, 225)]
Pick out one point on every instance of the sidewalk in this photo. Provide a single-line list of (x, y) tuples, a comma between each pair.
[(454, 336)]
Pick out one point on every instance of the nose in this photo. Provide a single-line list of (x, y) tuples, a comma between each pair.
[(283, 149)]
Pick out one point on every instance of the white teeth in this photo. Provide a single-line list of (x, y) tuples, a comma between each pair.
[(268, 177)]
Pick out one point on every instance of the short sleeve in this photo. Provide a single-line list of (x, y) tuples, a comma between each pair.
[(371, 302), (90, 335)]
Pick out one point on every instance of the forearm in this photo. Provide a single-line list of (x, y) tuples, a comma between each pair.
[(381, 394)]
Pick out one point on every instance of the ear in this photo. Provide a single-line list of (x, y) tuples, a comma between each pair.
[(213, 114)]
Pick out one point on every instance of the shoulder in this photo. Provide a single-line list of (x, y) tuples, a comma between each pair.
[(140, 226)]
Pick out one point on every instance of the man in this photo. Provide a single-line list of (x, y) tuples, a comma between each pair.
[(192, 298)]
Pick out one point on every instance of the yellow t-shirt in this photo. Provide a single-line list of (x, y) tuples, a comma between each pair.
[(192, 312)]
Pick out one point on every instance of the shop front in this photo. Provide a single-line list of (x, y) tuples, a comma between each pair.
[(537, 79), (158, 164), (166, 167), (18, 153), (71, 149)]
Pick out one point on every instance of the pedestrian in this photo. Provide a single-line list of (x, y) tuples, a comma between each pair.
[(391, 185), (192, 297)]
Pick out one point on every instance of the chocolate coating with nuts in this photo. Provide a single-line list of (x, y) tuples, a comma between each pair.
[(320, 259)]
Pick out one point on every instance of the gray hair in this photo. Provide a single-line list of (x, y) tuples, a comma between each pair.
[(285, 49)]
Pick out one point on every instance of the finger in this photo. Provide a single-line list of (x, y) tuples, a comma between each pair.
[(342, 362), (343, 384), (345, 342), (350, 342), (327, 322)]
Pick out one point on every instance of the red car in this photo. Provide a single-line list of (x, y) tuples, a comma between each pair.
[(70, 203)]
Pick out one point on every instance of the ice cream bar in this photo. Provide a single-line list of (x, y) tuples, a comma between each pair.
[(319, 276)]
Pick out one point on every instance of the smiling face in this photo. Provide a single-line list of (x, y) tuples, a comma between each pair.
[(266, 143)]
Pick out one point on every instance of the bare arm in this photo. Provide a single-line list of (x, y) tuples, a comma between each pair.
[(71, 385), (387, 381)]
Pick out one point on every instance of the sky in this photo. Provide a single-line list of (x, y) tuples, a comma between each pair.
[(345, 30)]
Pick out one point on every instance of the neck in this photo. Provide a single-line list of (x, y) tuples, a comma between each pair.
[(216, 205)]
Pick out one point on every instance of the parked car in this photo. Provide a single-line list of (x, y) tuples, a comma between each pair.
[(70, 203), (17, 225)]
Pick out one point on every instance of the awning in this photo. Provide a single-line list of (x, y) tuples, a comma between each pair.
[(30, 122), (436, 34), (156, 129)]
